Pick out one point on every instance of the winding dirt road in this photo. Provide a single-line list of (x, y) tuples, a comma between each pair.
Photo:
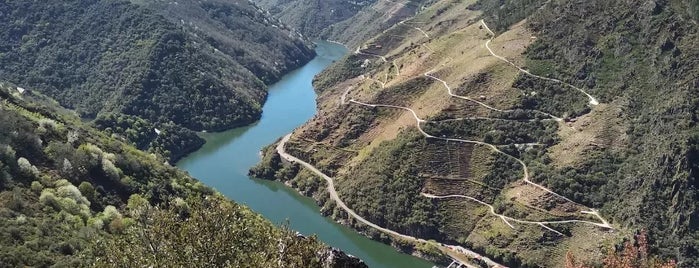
[(448, 249), (592, 99), (491, 146), (339, 43), (427, 74), (359, 51), (416, 28), (507, 218)]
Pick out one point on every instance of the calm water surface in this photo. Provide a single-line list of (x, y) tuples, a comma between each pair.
[(224, 161)]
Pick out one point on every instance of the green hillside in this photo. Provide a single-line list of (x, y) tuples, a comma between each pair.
[(644, 55), (197, 65), (71, 196), (348, 22), (297, 13)]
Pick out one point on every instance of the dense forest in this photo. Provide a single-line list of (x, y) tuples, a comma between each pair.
[(71, 196), (197, 65), (168, 140)]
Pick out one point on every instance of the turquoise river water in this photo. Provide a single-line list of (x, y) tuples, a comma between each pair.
[(224, 161)]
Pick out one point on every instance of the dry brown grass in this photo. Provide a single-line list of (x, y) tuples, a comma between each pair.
[(604, 127), (539, 200)]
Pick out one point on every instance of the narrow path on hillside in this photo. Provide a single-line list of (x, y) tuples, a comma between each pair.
[(490, 119), (507, 218), (526, 179), (491, 146), (592, 99), (403, 22), (359, 51), (494, 148), (335, 197), (396, 67), (383, 85), (339, 43), (428, 74)]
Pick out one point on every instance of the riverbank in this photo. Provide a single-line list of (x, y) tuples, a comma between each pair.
[(177, 153), (223, 163), (332, 206)]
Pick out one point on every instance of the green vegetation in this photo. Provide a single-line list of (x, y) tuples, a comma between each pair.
[(346, 68), (645, 53), (216, 233), (501, 14), (71, 196), (634, 254), (297, 13), (499, 132), (202, 66), (551, 97), (634, 157), (240, 30), (168, 140), (350, 22), (387, 193)]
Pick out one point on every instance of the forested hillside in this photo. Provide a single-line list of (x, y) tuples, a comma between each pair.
[(197, 65), (71, 196), (527, 131)]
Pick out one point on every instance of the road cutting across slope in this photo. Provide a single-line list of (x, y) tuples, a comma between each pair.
[(592, 99), (448, 249)]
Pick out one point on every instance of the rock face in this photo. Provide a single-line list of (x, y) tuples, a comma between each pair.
[(335, 258)]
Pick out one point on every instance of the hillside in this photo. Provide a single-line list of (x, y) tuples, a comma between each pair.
[(297, 13), (71, 196), (526, 131), (347, 22), (200, 65)]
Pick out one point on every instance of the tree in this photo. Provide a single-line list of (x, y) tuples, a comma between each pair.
[(212, 233)]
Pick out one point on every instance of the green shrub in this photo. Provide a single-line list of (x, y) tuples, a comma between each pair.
[(37, 187)]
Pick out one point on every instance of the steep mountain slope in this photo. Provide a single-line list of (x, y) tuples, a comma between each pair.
[(313, 17), (643, 59), (348, 22), (200, 64), (71, 196), (507, 135)]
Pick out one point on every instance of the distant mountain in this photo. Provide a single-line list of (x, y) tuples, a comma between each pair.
[(314, 17), (349, 22)]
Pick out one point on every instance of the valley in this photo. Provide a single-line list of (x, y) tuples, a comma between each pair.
[(467, 133)]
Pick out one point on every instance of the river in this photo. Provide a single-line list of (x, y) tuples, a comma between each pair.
[(225, 159)]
